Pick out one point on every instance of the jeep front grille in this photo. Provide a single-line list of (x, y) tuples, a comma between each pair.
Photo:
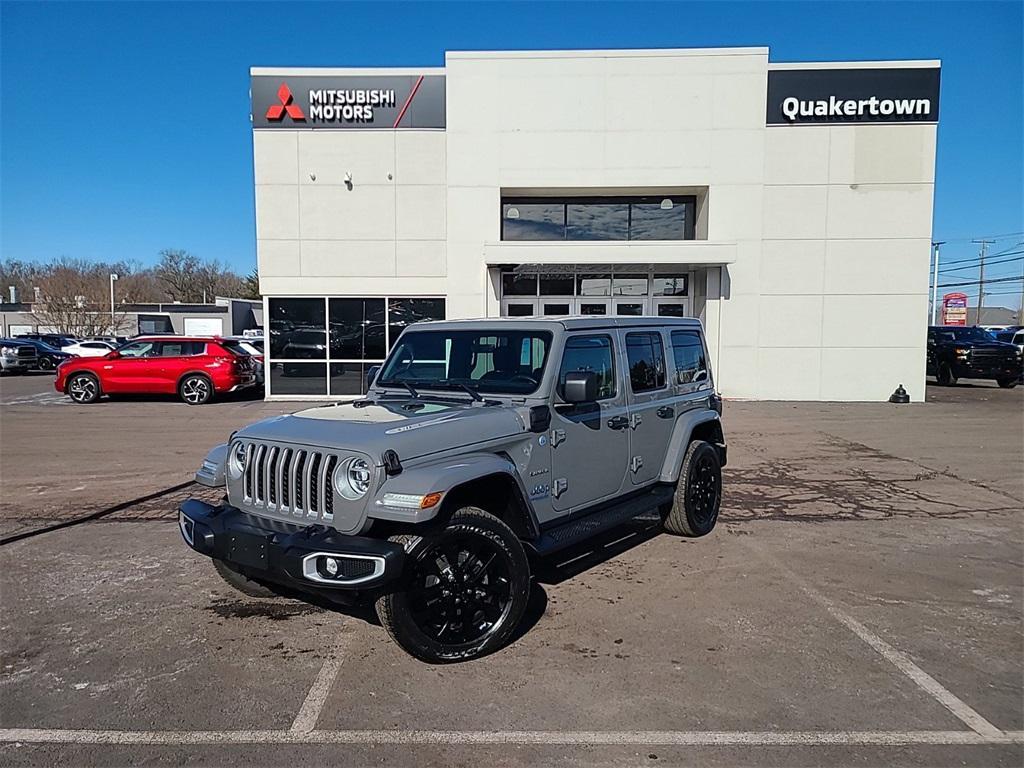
[(289, 481)]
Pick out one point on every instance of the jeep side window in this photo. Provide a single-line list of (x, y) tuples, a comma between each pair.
[(589, 353), (646, 356), (688, 353)]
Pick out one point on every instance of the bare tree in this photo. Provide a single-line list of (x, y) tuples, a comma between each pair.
[(75, 300)]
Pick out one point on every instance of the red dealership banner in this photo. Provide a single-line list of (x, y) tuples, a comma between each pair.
[(954, 309)]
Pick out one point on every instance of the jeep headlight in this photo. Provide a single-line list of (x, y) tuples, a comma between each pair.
[(352, 478), (236, 459)]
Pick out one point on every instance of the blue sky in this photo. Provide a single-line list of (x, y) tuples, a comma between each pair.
[(124, 127)]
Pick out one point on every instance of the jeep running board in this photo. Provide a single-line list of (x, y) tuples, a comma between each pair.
[(587, 525)]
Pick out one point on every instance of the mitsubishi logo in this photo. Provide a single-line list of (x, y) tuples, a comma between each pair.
[(276, 111)]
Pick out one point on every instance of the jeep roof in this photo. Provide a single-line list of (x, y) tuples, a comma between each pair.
[(569, 323)]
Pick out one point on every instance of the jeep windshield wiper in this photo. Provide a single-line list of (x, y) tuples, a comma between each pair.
[(412, 390), (468, 390)]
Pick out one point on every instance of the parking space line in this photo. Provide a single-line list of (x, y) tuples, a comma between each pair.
[(315, 700), (895, 657), (538, 738)]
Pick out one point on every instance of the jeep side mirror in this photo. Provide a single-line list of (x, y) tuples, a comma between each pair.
[(371, 374), (580, 387)]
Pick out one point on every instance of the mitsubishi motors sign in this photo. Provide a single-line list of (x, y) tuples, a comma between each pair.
[(390, 102)]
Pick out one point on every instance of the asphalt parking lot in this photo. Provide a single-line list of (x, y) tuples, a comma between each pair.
[(862, 601)]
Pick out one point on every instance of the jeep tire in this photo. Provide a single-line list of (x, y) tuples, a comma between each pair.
[(945, 377), (1007, 382), (463, 591), (240, 581), (698, 496)]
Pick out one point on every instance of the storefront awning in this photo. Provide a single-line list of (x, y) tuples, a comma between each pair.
[(636, 254)]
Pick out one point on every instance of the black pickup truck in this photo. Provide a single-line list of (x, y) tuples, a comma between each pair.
[(969, 352)]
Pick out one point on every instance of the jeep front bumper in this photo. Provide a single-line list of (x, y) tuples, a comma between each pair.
[(303, 557)]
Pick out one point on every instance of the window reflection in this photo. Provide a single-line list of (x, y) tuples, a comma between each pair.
[(533, 221), (597, 221)]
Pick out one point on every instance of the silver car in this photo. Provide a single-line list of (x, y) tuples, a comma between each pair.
[(480, 448)]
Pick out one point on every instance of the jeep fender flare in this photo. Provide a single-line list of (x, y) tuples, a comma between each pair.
[(688, 423), (447, 477)]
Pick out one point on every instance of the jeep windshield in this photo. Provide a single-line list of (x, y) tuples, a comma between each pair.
[(488, 361)]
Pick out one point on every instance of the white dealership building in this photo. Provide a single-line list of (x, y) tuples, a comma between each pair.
[(788, 206)]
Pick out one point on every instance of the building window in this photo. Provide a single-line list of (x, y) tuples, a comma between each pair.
[(533, 220), (646, 357), (404, 312), (670, 285), (324, 346), (597, 221), (650, 217)]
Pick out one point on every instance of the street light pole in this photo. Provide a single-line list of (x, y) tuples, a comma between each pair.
[(935, 279), (113, 329)]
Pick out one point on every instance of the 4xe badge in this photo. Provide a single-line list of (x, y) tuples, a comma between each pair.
[(277, 111)]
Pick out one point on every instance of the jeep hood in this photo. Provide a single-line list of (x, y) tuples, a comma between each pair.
[(410, 427)]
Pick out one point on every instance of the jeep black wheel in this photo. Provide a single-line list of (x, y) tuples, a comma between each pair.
[(1008, 382), (83, 388), (240, 581), (463, 591), (698, 495), (945, 376), (46, 364)]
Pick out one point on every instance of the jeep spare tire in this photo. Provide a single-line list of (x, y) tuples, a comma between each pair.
[(463, 590), (698, 494)]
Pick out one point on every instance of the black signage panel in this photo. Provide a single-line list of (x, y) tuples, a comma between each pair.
[(390, 102), (838, 96)]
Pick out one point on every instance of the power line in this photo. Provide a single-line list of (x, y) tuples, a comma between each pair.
[(987, 263), (976, 259), (1004, 236), (982, 282)]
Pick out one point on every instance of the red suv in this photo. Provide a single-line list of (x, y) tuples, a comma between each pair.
[(194, 367)]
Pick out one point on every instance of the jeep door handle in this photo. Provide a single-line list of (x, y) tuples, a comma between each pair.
[(666, 412), (618, 422)]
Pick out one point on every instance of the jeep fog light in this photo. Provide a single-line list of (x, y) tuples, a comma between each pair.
[(331, 566), (352, 478)]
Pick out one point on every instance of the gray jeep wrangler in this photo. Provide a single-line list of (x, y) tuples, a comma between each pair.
[(480, 447)]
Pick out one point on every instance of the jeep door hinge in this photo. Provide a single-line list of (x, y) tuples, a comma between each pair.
[(557, 436), (636, 463), (560, 486), (634, 420)]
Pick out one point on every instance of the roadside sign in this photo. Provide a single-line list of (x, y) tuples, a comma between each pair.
[(954, 309)]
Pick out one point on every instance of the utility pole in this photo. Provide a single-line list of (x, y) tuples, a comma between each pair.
[(981, 276), (935, 280)]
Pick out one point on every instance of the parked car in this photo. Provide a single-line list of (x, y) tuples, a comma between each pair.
[(56, 340), (89, 348), (480, 445), (970, 352), (48, 357), (17, 356), (116, 341), (252, 346), (195, 368)]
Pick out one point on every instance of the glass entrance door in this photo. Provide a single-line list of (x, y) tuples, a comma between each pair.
[(633, 307), (592, 305), (518, 307), (671, 307)]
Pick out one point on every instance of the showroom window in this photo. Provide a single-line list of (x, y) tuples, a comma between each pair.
[(324, 346), (651, 217)]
